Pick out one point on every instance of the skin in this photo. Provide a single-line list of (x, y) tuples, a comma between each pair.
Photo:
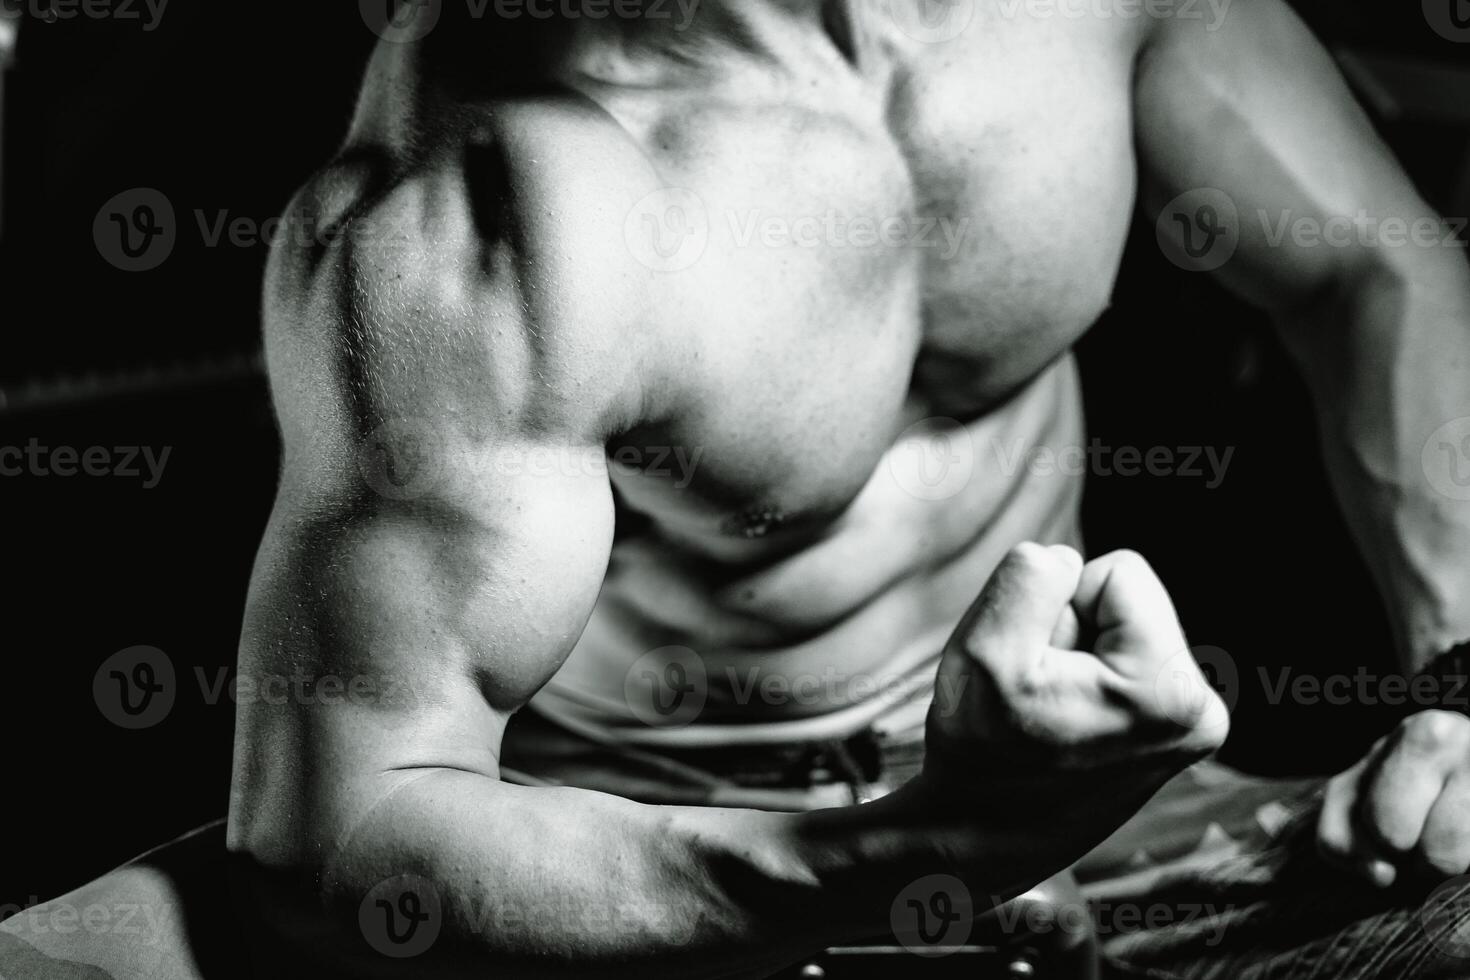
[(506, 316)]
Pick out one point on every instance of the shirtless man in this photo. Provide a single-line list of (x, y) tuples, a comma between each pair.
[(557, 254)]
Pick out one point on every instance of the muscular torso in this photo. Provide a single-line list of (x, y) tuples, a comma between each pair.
[(866, 259)]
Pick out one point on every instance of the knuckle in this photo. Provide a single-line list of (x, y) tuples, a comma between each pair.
[(1068, 555), (1433, 731), (1447, 849), (1212, 738), (1186, 707), (1447, 858), (1390, 830), (1338, 789), (1130, 562), (1128, 556), (1203, 740), (1028, 556)]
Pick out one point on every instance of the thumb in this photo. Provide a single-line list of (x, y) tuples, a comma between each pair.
[(1021, 606)]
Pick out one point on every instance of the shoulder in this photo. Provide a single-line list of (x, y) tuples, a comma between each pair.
[(486, 272)]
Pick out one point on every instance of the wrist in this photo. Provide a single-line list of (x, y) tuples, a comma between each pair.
[(863, 857)]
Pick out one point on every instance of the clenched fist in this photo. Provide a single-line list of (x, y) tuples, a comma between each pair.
[(1065, 699), (1405, 807)]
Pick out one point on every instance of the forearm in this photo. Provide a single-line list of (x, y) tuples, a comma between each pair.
[(564, 882), (335, 801), (1389, 365)]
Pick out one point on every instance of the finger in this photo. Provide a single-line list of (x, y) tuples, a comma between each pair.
[(1121, 598), (1445, 847), (1067, 632), (1338, 837), (1020, 607), (1124, 605), (1399, 789)]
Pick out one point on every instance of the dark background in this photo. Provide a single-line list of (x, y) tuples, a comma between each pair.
[(227, 108)]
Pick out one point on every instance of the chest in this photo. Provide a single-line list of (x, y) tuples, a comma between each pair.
[(855, 252)]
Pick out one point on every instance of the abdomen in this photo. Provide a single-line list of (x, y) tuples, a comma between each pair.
[(850, 616)]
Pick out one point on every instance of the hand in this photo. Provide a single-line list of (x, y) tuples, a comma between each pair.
[(1046, 743), (1405, 808)]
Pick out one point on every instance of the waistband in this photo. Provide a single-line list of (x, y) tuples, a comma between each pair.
[(791, 775)]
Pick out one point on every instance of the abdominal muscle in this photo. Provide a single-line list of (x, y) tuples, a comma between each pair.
[(845, 633)]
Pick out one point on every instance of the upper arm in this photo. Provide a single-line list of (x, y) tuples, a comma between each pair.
[(444, 516), (1252, 106)]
